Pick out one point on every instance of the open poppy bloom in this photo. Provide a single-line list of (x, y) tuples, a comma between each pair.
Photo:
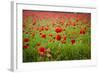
[(25, 46), (73, 42), (46, 28), (82, 31), (58, 29), (26, 40), (43, 35), (42, 51), (58, 37)]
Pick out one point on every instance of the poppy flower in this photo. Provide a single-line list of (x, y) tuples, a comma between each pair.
[(41, 28), (50, 35), (25, 46), (42, 51), (43, 35), (58, 29), (82, 31), (46, 28), (73, 42), (26, 40), (58, 37)]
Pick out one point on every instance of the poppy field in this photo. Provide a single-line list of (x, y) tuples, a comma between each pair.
[(56, 36)]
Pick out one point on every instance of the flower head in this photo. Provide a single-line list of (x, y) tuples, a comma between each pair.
[(82, 31), (58, 37), (58, 29), (25, 46), (73, 42), (43, 35), (42, 51), (26, 40)]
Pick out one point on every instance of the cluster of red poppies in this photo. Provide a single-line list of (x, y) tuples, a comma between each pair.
[(58, 25), (58, 37)]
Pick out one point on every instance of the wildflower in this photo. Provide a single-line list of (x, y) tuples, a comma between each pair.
[(58, 37), (73, 42), (42, 51), (26, 40), (43, 35), (58, 29), (25, 46)]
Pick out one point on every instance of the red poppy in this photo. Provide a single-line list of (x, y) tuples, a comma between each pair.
[(25, 46), (46, 28), (43, 35), (58, 29), (26, 40), (73, 41), (82, 31), (50, 35), (42, 51), (41, 28), (58, 37)]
